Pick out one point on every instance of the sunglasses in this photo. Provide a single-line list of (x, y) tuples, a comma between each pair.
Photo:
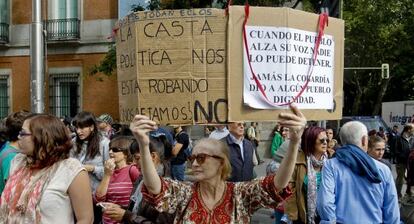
[(323, 140), (201, 158), (117, 149)]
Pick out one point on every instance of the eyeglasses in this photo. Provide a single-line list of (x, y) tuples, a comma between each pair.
[(117, 149), (323, 140), (201, 158), (23, 134)]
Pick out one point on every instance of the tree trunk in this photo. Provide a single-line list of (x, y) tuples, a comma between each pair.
[(357, 103), (381, 93), (358, 97)]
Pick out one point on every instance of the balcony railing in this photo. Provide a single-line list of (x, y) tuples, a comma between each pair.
[(4, 33), (63, 29)]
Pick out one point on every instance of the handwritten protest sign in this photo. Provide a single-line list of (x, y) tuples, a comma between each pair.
[(178, 74), (128, 87), (282, 61), (280, 55)]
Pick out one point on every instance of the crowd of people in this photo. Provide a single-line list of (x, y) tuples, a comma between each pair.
[(90, 170)]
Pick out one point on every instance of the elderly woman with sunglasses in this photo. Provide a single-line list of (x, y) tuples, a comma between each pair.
[(119, 177), (210, 198), (301, 207)]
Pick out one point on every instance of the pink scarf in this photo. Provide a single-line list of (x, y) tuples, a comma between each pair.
[(22, 194)]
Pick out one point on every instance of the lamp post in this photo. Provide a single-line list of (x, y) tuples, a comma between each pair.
[(36, 59)]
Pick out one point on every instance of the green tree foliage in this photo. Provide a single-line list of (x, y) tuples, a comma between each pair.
[(376, 32), (108, 65)]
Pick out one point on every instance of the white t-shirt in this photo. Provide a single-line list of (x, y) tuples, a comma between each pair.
[(219, 134), (55, 205)]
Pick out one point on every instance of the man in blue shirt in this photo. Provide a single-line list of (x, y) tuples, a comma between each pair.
[(356, 188)]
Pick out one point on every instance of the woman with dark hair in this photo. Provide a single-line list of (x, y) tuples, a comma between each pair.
[(91, 149), (306, 178), (45, 185), (332, 142), (210, 198), (280, 134), (119, 176), (138, 210)]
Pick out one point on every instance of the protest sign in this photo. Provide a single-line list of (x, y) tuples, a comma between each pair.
[(281, 59), (280, 55), (179, 67), (126, 69)]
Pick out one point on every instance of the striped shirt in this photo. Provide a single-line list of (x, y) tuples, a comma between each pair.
[(119, 188)]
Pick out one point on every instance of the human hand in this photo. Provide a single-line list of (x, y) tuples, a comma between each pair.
[(89, 168), (140, 126), (295, 121), (330, 151), (109, 167), (114, 212)]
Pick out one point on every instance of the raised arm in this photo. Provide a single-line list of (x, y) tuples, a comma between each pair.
[(140, 127), (296, 122)]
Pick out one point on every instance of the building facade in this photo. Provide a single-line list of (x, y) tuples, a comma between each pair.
[(77, 37)]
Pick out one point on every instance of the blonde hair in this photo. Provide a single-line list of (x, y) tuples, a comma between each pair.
[(224, 153)]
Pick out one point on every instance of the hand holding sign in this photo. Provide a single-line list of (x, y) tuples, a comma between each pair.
[(295, 121), (140, 126)]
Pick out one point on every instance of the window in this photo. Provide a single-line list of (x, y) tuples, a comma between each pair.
[(64, 94), (4, 21), (63, 20), (4, 95)]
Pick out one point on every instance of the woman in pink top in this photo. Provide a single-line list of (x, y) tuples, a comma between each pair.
[(117, 183)]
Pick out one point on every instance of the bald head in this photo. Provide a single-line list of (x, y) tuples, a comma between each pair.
[(356, 133)]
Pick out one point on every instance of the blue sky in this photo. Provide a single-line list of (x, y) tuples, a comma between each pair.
[(124, 6)]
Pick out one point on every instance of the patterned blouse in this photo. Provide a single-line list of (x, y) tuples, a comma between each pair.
[(237, 205)]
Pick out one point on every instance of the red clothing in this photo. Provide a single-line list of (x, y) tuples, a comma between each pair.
[(120, 188), (238, 203)]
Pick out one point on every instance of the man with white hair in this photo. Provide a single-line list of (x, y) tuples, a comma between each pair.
[(356, 188)]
